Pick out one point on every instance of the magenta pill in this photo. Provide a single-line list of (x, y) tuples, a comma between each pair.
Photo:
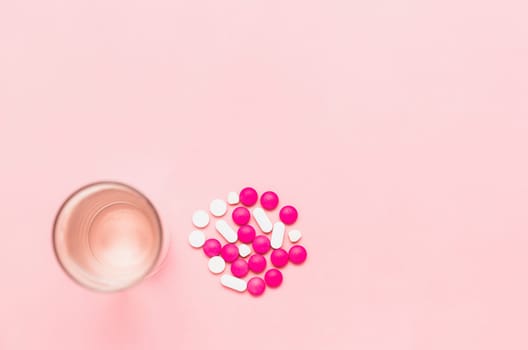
[(248, 196), (297, 254), (288, 214), (269, 200), (241, 216), (273, 278), (257, 263), (261, 244), (229, 252), (239, 268), (279, 257), (246, 233), (212, 247), (256, 286)]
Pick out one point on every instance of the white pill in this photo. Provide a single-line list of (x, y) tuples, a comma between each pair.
[(234, 283), (226, 231), (218, 207), (216, 264), (232, 198), (277, 235), (294, 235), (200, 218), (197, 239), (262, 220), (244, 250)]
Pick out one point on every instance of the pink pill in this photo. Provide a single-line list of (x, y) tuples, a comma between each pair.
[(246, 233), (212, 247), (279, 257), (269, 200), (248, 196), (257, 263), (273, 278), (256, 286), (229, 252), (288, 214), (261, 244), (297, 254), (241, 216), (239, 268)]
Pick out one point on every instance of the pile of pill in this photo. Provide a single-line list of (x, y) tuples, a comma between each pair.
[(246, 243)]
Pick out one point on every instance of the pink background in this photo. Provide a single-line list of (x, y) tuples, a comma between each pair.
[(399, 129)]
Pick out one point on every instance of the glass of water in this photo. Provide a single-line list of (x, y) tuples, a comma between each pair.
[(107, 236)]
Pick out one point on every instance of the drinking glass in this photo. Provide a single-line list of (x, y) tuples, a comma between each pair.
[(107, 236)]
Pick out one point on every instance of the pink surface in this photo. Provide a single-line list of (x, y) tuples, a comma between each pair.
[(397, 128)]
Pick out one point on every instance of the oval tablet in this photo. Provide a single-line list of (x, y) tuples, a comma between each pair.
[(226, 231), (200, 218), (234, 283), (218, 207), (277, 235), (216, 264), (197, 239), (262, 220)]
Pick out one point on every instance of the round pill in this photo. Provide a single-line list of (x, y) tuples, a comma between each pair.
[(241, 216), (200, 218), (257, 263), (273, 278), (297, 254), (232, 198), (244, 250), (279, 257), (288, 214), (218, 207), (248, 196), (246, 233), (212, 247), (197, 239), (216, 264), (295, 236), (239, 268), (229, 252), (256, 286), (269, 200), (261, 244)]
